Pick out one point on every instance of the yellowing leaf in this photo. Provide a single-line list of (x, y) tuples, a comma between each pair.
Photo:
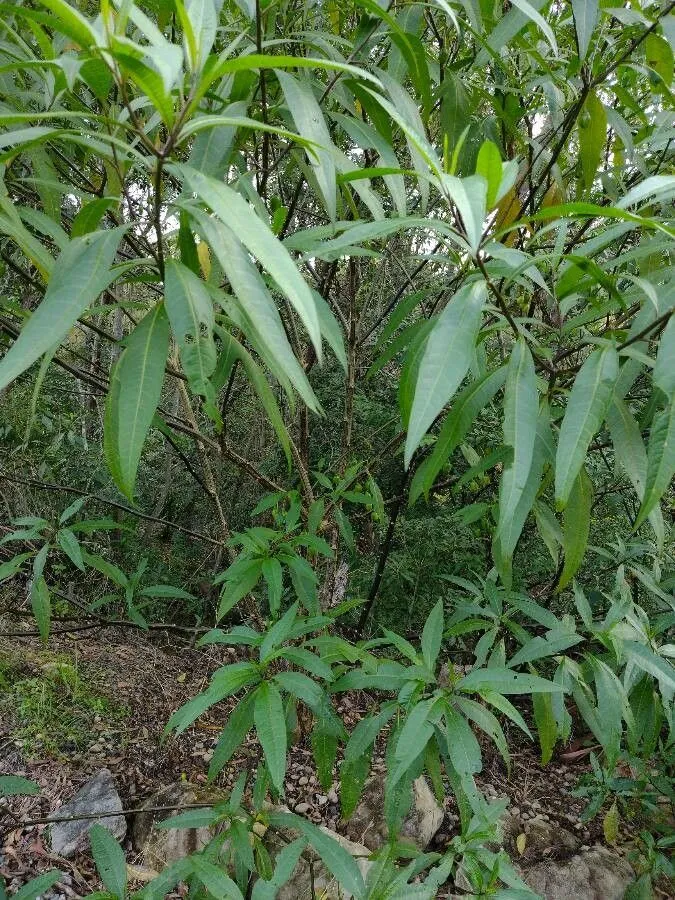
[(610, 824), (204, 259), (521, 843), (592, 134), (181, 678)]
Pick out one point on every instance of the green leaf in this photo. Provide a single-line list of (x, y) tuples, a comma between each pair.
[(167, 591), (546, 725), (260, 318), (71, 23), (286, 861), (324, 742), (462, 746), (105, 568), (232, 736), (273, 575), (225, 682), (470, 197), (530, 11), (432, 635), (190, 310), (663, 376), (521, 410), (585, 14), (489, 165), (487, 722), (135, 390), (650, 662), (310, 122), (110, 860), (466, 406), (70, 546), (270, 725), (194, 818), (447, 356), (413, 738), (79, 275), (338, 860), (14, 785), (236, 213), (42, 608), (365, 732), (505, 681), (214, 879), (631, 454), (72, 509), (576, 527), (38, 886), (592, 136), (586, 408), (660, 460), (12, 566), (278, 633)]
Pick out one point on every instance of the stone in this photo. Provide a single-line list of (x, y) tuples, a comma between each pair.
[(98, 795), (598, 874), (159, 847), (367, 824)]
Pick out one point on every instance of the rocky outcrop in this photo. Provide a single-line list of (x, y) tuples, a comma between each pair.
[(159, 847), (367, 824), (99, 795), (595, 874)]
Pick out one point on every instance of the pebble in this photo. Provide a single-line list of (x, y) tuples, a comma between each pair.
[(515, 810), (303, 781), (333, 796), (321, 799), (302, 808)]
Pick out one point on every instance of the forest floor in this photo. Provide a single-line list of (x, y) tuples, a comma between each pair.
[(102, 698)]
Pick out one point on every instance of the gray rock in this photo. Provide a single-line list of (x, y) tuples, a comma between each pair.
[(367, 824), (598, 874), (98, 795), (161, 846)]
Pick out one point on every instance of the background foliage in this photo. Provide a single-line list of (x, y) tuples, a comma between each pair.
[(334, 318)]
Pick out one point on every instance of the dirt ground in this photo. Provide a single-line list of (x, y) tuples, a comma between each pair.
[(148, 679)]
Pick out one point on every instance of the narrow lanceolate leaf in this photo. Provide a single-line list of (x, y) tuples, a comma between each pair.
[(586, 408), (42, 608), (260, 317), (631, 454), (576, 527), (110, 860), (79, 275), (521, 410), (446, 360), (465, 407), (649, 662), (190, 310), (546, 725), (256, 235), (660, 460), (232, 736), (136, 385), (592, 135), (463, 747), (270, 725), (585, 14), (432, 634), (338, 860), (214, 879), (310, 123), (663, 376)]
